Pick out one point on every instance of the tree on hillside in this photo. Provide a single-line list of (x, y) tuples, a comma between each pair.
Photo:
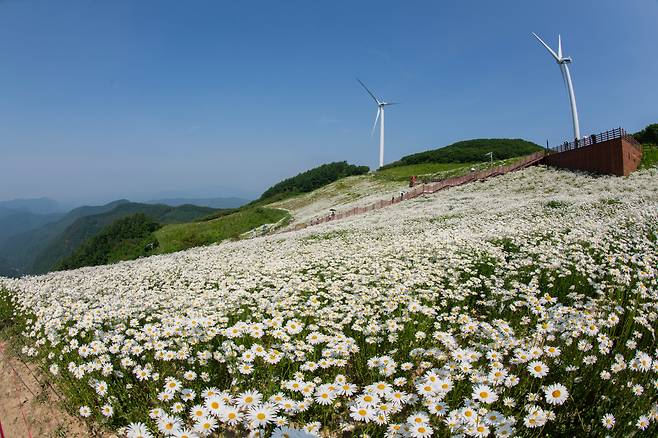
[(126, 238), (314, 179), (648, 135)]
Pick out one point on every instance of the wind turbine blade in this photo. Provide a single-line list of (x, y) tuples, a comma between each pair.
[(557, 58), (369, 92), (391, 103), (559, 46), (375, 125)]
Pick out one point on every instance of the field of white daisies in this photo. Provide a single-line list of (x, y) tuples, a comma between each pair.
[(525, 305)]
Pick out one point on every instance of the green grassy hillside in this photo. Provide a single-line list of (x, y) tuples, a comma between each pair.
[(84, 228), (177, 237), (428, 171), (312, 179), (648, 137), (137, 235), (649, 156), (125, 239), (471, 151)]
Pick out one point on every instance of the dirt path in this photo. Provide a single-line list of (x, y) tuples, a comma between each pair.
[(29, 408)]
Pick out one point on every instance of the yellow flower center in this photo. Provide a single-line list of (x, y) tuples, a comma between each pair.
[(556, 393)]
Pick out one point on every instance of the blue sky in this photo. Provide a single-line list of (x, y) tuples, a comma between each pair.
[(137, 99)]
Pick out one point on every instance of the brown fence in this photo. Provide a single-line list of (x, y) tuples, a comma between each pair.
[(598, 138), (428, 188)]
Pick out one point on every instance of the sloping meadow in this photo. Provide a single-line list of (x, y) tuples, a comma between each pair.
[(519, 306)]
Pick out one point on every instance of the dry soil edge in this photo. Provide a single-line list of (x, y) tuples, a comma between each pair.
[(29, 408)]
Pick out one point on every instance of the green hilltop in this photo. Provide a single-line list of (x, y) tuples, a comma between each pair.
[(312, 179), (471, 151)]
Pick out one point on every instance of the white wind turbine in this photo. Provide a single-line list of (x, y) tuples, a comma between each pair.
[(380, 112), (564, 68)]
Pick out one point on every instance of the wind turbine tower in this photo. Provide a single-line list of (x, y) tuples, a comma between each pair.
[(563, 62), (380, 115)]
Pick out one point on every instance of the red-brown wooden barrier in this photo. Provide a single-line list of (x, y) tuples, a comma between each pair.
[(428, 188)]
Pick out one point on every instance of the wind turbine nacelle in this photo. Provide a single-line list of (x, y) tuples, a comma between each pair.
[(566, 60)]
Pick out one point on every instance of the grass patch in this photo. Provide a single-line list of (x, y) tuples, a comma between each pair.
[(610, 201), (338, 234), (557, 204), (649, 156), (402, 173), (177, 237), (435, 171)]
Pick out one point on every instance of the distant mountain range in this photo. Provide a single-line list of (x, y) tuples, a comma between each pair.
[(37, 243), (203, 202), (34, 205)]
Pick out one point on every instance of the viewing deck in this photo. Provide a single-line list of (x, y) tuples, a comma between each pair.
[(613, 152)]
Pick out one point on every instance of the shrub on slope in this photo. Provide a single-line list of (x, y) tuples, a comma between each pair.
[(648, 135)]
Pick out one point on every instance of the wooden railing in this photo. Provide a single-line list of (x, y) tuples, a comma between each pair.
[(598, 138), (428, 188)]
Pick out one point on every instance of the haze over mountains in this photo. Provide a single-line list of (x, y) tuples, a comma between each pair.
[(36, 206), (36, 233), (232, 202)]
